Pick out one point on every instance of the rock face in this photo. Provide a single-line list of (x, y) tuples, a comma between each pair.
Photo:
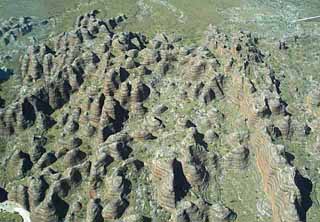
[(74, 157), (112, 126), (238, 158), (94, 211), (46, 160), (20, 163), (192, 162), (47, 211), (36, 191), (19, 194), (164, 181)]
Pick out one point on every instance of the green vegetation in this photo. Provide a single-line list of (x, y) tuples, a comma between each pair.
[(10, 217)]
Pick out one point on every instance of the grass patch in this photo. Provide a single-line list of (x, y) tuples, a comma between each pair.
[(10, 217)]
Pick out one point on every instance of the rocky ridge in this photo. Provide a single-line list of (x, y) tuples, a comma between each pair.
[(13, 28)]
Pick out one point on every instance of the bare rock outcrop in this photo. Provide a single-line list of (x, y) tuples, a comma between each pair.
[(36, 191), (20, 164), (126, 127), (19, 194), (163, 178)]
